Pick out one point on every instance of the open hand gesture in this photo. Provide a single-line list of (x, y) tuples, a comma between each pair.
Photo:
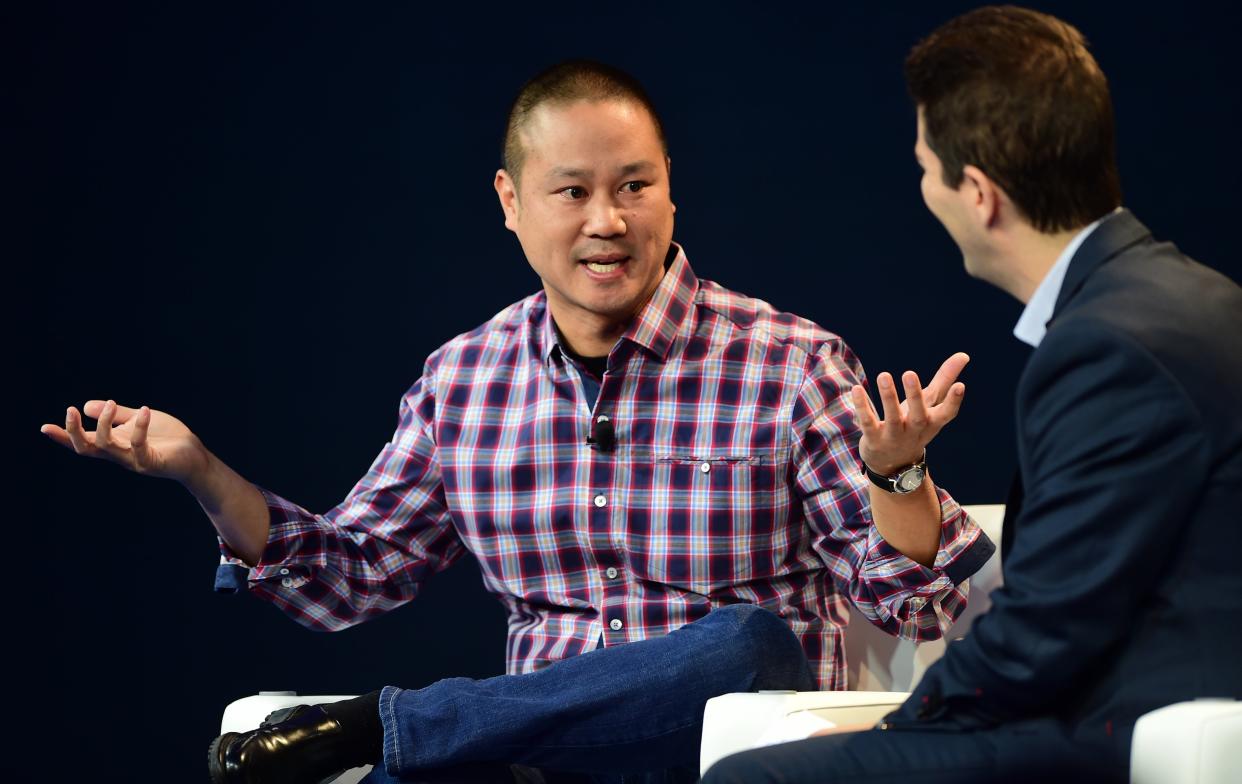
[(908, 426), (141, 439)]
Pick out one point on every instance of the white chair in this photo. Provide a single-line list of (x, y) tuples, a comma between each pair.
[(1196, 742)]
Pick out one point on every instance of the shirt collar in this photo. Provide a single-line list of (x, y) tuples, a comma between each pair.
[(1033, 322), (657, 322)]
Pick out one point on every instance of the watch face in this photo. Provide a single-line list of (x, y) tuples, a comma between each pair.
[(910, 480)]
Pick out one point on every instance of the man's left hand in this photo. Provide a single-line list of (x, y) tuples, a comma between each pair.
[(908, 426)]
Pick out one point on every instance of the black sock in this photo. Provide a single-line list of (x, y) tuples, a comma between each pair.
[(363, 738)]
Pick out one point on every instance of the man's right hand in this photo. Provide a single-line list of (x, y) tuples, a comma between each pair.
[(141, 439), (158, 444)]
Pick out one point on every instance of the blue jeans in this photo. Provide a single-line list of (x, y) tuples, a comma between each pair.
[(631, 712)]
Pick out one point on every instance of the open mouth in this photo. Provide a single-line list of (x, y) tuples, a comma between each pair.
[(602, 265)]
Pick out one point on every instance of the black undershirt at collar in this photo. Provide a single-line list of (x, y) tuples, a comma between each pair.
[(594, 365)]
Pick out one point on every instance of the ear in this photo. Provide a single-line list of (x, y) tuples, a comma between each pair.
[(506, 189), (668, 171), (983, 197)]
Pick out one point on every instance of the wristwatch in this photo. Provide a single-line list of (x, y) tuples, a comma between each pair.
[(905, 480)]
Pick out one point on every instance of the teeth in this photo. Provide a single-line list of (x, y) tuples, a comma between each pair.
[(596, 266)]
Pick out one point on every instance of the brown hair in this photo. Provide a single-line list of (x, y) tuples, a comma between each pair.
[(567, 82), (1016, 93)]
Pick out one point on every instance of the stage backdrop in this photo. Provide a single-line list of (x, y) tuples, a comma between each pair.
[(263, 217)]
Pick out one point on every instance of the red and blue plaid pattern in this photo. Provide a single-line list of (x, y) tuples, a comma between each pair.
[(734, 478)]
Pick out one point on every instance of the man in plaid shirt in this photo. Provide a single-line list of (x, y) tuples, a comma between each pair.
[(634, 455)]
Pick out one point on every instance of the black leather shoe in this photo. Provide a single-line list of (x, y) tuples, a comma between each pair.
[(299, 745)]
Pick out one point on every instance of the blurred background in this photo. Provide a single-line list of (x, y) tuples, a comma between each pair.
[(263, 217)]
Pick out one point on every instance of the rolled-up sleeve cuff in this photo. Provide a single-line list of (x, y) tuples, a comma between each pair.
[(924, 601), (231, 577), (286, 521), (964, 549), (971, 559)]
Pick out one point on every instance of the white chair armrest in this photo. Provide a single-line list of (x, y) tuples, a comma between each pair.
[(737, 722), (1195, 742)]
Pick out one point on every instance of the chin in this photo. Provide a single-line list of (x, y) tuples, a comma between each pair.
[(976, 263), (971, 266)]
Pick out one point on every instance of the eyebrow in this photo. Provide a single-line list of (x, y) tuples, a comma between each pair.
[(566, 172), (636, 167), (571, 173)]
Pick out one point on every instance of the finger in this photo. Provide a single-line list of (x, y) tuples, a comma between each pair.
[(103, 428), (864, 411), (138, 438), (914, 399), (57, 434), (945, 376), (888, 398), (121, 414), (77, 436), (947, 411)]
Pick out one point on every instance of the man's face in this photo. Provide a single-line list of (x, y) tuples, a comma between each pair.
[(592, 210), (949, 205)]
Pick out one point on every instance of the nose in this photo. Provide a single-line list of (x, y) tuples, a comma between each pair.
[(604, 218)]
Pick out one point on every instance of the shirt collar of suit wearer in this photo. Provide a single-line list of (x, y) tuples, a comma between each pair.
[(1033, 322)]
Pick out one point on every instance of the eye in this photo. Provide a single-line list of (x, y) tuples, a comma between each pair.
[(633, 186), (573, 192)]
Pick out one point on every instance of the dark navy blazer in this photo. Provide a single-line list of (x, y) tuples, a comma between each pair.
[(1123, 571)]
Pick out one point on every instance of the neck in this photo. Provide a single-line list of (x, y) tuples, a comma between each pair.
[(588, 334), (1030, 255)]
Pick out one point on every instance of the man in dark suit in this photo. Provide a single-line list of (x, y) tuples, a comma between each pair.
[(1123, 589)]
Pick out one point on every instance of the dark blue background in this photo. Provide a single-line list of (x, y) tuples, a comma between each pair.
[(263, 217)]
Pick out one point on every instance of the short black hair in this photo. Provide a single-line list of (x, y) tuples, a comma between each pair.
[(1016, 93), (567, 82)]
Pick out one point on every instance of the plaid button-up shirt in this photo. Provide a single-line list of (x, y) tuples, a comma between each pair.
[(734, 477)]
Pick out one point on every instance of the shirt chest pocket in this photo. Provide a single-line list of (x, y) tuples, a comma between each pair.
[(704, 521)]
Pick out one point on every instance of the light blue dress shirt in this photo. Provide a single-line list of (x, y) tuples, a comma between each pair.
[(1033, 323)]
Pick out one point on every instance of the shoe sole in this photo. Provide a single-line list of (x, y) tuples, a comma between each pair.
[(214, 766)]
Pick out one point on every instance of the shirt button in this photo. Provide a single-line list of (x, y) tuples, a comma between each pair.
[(615, 624), (284, 571), (705, 467), (287, 582), (611, 572), (601, 500)]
